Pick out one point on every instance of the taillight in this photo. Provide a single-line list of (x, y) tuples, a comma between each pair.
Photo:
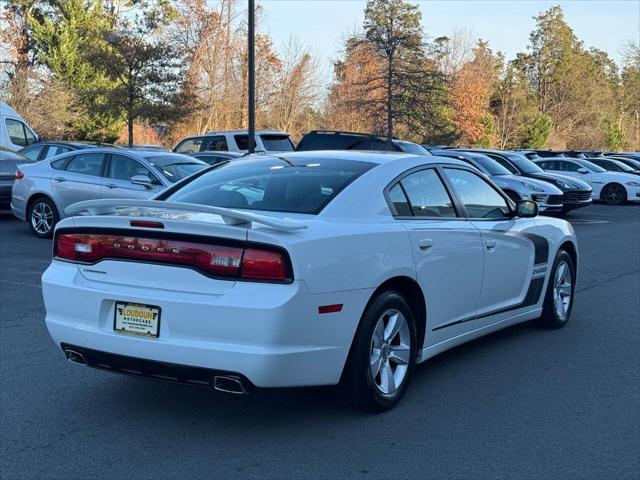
[(19, 175), (253, 263), (259, 264)]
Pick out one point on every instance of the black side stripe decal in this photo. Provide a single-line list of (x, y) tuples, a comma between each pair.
[(540, 245), (531, 298)]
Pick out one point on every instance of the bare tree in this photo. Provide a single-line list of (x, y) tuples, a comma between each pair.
[(298, 87)]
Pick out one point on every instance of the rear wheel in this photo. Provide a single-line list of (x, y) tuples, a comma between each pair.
[(382, 356), (614, 194), (42, 217), (558, 300)]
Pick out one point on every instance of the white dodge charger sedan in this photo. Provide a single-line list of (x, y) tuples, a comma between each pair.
[(310, 268)]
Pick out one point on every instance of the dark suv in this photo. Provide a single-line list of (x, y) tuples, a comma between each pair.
[(334, 140)]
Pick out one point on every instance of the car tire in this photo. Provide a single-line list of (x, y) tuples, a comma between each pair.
[(614, 194), (42, 217), (558, 300), (382, 356)]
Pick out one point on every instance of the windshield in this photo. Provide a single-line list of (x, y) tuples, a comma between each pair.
[(623, 166), (630, 161), (591, 166), (176, 167), (272, 184), (408, 147), (277, 143), (524, 164), (490, 165)]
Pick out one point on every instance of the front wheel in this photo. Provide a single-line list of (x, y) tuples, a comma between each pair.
[(558, 300), (614, 194), (382, 356)]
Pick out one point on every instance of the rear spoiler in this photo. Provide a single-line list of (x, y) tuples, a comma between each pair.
[(230, 216)]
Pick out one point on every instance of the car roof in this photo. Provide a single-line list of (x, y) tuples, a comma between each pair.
[(136, 152), (218, 153), (378, 157), (240, 132)]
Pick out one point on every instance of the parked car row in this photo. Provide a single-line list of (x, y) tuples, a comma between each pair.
[(51, 175)]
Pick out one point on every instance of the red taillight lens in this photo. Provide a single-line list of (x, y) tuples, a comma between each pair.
[(19, 175), (219, 260), (258, 264)]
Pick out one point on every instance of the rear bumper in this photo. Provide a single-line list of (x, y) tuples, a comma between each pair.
[(18, 211), (137, 367), (271, 334)]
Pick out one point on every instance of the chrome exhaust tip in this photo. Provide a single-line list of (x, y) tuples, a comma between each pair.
[(75, 357), (229, 385)]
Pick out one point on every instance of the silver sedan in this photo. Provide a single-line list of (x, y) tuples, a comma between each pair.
[(43, 190)]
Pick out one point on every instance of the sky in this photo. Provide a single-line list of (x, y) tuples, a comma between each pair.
[(322, 24)]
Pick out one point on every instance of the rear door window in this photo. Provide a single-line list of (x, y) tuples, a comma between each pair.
[(215, 143), (427, 195), (242, 142), (53, 150), (277, 143), (124, 168), (32, 153), (87, 164), (568, 166), (400, 202)]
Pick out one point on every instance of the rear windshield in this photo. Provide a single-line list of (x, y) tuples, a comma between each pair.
[(277, 143), (176, 167), (271, 184), (342, 141)]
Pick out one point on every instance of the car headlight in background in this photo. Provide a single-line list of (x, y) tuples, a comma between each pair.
[(633, 184), (531, 186)]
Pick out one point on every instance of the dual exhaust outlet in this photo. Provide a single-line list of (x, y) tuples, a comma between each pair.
[(221, 383)]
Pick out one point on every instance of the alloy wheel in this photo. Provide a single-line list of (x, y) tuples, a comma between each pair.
[(390, 351), (42, 218), (562, 290), (614, 194)]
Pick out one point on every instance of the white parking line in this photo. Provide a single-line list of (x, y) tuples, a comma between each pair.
[(586, 221)]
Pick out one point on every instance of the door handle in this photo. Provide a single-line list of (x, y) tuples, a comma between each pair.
[(425, 244), (111, 185), (59, 179), (491, 245)]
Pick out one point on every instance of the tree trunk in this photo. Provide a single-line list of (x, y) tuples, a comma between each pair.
[(130, 111), (389, 102)]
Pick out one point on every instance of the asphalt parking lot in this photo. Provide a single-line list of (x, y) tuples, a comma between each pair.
[(521, 403)]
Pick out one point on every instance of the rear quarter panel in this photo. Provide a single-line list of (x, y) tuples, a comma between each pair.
[(339, 256)]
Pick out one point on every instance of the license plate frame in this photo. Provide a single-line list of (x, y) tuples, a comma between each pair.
[(127, 325)]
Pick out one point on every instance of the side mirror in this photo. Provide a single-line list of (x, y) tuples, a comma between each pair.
[(143, 180), (583, 170), (527, 209)]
